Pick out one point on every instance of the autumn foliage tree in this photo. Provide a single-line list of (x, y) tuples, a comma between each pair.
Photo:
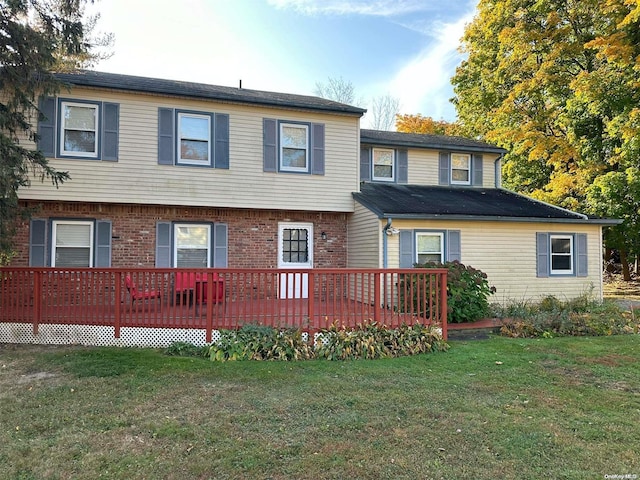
[(408, 123), (557, 84)]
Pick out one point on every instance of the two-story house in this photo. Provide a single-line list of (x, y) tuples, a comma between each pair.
[(176, 174)]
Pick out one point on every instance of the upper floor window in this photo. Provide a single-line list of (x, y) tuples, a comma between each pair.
[(461, 168), (561, 254), (79, 129), (194, 139), (383, 164), (294, 147), (72, 244), (429, 247)]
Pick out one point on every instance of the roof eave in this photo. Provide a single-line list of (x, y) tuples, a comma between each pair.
[(433, 146), (498, 218)]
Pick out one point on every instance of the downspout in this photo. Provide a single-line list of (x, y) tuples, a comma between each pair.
[(385, 263)]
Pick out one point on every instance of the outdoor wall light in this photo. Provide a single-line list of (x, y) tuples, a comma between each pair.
[(323, 235)]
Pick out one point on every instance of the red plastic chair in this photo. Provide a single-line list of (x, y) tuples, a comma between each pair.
[(136, 294)]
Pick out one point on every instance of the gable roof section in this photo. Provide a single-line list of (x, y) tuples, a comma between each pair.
[(419, 140), (130, 83), (462, 203)]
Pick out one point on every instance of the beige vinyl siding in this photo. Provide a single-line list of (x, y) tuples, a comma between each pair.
[(506, 252), (137, 177), (364, 246), (424, 166)]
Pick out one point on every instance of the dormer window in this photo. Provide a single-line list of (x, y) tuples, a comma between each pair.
[(383, 164), (460, 169)]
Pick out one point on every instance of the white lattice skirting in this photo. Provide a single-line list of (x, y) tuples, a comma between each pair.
[(92, 335)]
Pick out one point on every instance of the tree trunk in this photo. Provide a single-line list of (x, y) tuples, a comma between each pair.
[(626, 274)]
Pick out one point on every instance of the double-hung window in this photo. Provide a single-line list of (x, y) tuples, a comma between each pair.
[(72, 244), (79, 129), (461, 169), (194, 139), (383, 164), (561, 254), (192, 245), (294, 147), (429, 247)]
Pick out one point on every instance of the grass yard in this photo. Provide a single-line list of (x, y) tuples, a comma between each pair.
[(502, 408)]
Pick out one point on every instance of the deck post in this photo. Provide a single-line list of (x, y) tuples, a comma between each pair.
[(311, 298), (37, 300), (443, 304), (377, 309), (118, 300), (210, 299)]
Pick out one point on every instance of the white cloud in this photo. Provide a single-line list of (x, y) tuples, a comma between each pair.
[(423, 84), (379, 8)]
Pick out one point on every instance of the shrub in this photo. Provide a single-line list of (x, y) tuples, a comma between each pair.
[(256, 342), (373, 341), (468, 291), (580, 316)]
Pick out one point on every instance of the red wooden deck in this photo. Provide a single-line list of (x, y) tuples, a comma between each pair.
[(225, 298)]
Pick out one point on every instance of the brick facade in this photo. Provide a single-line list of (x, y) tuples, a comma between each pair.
[(252, 234)]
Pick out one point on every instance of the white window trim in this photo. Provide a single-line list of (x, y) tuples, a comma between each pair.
[(96, 109), (175, 240), (458, 182), (430, 234), (283, 168), (571, 254), (286, 225), (179, 138), (393, 165), (54, 246)]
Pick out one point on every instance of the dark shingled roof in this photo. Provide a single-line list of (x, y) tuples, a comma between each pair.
[(418, 140), (435, 202), (178, 88)]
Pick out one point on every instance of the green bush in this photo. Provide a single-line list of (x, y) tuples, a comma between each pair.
[(368, 341), (256, 342), (468, 292), (372, 341)]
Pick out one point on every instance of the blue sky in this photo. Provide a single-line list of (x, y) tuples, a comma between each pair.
[(405, 48)]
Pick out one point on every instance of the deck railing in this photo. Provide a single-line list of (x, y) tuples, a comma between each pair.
[(310, 299)]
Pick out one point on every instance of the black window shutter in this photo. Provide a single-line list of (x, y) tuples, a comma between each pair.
[(110, 126), (270, 145), (406, 249), (582, 263), (403, 167), (365, 164), (163, 244), (443, 169), (38, 243), (221, 139), (47, 126), (103, 244), (454, 252), (542, 255), (220, 245), (476, 162), (166, 132), (317, 148)]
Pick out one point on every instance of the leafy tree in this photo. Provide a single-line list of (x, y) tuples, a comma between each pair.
[(37, 37), (556, 83), (426, 125)]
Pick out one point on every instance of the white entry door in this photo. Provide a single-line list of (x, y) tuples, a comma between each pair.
[(295, 250)]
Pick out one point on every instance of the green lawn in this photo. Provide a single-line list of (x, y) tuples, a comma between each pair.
[(560, 408)]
